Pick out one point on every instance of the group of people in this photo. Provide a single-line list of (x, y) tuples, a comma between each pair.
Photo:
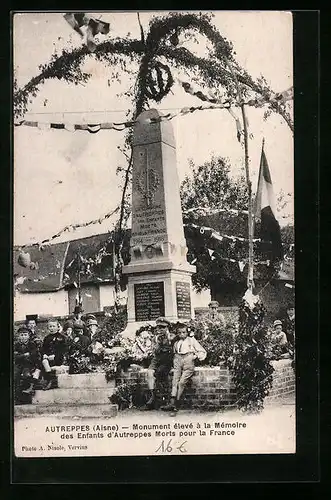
[(169, 348), (35, 359)]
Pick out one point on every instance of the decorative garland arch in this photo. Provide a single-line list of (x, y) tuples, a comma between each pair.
[(158, 43), (154, 79)]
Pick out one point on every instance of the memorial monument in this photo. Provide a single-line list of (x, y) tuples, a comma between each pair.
[(159, 276)]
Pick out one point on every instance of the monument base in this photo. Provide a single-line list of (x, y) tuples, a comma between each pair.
[(156, 292)]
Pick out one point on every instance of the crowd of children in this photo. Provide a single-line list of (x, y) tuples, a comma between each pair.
[(37, 361)]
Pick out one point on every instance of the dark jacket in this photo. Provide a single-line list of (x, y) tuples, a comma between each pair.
[(79, 344), (163, 353), (55, 343), (289, 329), (31, 361), (34, 337)]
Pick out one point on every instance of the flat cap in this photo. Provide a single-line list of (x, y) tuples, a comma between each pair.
[(162, 321)]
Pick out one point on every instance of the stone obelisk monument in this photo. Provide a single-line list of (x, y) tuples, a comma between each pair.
[(159, 276)]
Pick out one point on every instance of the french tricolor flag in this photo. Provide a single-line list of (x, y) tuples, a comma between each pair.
[(265, 211)]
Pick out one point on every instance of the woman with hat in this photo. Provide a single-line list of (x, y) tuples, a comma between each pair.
[(91, 326), (68, 328), (77, 354)]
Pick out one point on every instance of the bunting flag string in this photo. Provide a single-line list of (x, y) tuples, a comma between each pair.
[(118, 126), (215, 235), (73, 227), (92, 26), (273, 97), (211, 211), (241, 263)]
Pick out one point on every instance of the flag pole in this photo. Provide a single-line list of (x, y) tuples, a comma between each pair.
[(250, 274), (79, 277)]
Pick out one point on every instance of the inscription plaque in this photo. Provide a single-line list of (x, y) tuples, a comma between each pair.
[(149, 300), (183, 299)]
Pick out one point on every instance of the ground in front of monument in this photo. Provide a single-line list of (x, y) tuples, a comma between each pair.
[(271, 431)]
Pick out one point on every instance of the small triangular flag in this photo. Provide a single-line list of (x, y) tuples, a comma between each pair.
[(241, 265), (211, 252)]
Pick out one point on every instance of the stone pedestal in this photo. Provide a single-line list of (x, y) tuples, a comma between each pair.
[(160, 293), (159, 276)]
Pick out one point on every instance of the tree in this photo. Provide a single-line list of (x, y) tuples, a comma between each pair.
[(211, 186), (212, 198)]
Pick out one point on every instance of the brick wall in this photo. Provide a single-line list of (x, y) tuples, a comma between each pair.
[(212, 387), (283, 387)]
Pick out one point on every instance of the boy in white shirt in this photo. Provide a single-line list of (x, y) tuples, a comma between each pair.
[(186, 350)]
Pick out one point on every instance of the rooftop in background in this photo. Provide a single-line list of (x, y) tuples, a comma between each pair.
[(58, 264)]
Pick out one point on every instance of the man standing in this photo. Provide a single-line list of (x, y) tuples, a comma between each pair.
[(186, 350), (214, 312), (289, 324), (31, 324), (161, 363)]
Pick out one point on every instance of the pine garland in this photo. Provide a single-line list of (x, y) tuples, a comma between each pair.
[(158, 44), (251, 367)]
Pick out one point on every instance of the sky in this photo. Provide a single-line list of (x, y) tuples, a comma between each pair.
[(63, 177)]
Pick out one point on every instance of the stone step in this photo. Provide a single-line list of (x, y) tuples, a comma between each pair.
[(84, 380), (73, 396), (67, 410)]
